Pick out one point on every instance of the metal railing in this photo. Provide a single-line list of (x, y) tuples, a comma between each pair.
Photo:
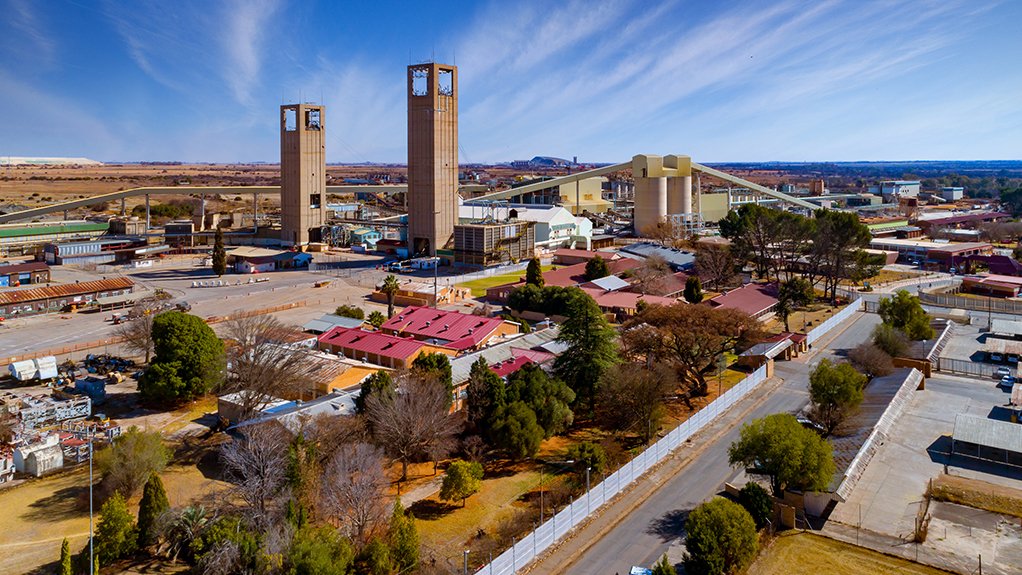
[(971, 303)]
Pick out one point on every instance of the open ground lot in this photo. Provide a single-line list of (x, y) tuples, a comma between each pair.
[(891, 491), (808, 553)]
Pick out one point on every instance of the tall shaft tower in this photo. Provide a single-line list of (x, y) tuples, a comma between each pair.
[(302, 173), (432, 157)]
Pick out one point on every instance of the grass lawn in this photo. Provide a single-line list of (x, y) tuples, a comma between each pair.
[(480, 286), (808, 553)]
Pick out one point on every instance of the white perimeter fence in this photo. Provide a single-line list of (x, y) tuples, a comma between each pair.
[(532, 544)]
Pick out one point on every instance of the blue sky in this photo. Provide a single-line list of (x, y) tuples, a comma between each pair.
[(600, 79)]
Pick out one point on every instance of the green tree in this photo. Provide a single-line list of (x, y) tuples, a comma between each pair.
[(891, 340), (389, 288), (134, 456), (592, 349), (376, 319), (379, 383), (435, 365), (664, 567), (404, 539), (596, 268), (534, 273), (693, 290), (65, 558), (514, 429), (757, 502), (720, 538), (549, 398), (374, 559), (319, 551), (903, 311), (792, 456), (219, 253), (631, 398), (486, 392), (835, 392), (587, 455), (116, 534), (154, 504), (793, 293), (352, 311), (188, 361), (462, 480)]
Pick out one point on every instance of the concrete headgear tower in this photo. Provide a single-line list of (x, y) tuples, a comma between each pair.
[(302, 173), (432, 157)]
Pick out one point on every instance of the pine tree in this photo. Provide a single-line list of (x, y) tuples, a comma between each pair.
[(404, 539), (154, 503), (65, 558), (534, 273), (693, 290), (219, 254)]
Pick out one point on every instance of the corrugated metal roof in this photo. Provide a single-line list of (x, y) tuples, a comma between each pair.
[(988, 432), (753, 299), (610, 283), (65, 290), (449, 326), (375, 342), (461, 366), (24, 268), (329, 320)]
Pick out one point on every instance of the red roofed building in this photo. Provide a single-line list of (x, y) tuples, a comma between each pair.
[(568, 256), (506, 368), (569, 276), (757, 300), (450, 329), (377, 347), (624, 303)]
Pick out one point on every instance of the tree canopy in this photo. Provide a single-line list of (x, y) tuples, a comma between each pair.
[(693, 290), (389, 288), (219, 253), (462, 480), (188, 360), (154, 504), (134, 456), (591, 349), (835, 392), (792, 456), (903, 311), (534, 273), (352, 311), (720, 537), (596, 268), (689, 338)]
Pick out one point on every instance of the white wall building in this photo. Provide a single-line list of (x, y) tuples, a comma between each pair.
[(554, 225), (41, 457), (952, 193), (892, 190)]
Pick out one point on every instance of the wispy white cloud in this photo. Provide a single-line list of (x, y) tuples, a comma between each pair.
[(40, 48), (244, 34)]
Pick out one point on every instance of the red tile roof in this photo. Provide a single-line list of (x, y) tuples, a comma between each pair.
[(569, 252), (753, 299), (365, 341), (536, 355), (459, 330), (624, 299), (64, 290), (506, 368)]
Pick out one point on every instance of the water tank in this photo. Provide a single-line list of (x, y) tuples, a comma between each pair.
[(650, 202)]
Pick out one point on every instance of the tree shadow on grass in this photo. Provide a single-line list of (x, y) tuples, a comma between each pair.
[(670, 525), (430, 510), (62, 504)]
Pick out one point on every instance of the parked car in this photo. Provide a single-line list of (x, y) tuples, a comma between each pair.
[(1012, 358), (1002, 372), (996, 358), (1007, 381), (810, 424)]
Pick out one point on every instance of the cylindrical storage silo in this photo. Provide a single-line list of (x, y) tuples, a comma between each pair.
[(679, 195), (650, 202)]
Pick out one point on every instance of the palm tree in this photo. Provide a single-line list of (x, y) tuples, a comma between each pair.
[(390, 288), (184, 527)]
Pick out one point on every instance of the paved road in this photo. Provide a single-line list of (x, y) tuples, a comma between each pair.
[(656, 526)]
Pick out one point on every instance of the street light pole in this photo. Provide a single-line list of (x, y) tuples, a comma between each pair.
[(589, 509), (92, 560), (466, 562), (541, 505)]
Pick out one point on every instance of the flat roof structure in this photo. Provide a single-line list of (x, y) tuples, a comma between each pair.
[(988, 439), (328, 321), (1012, 327)]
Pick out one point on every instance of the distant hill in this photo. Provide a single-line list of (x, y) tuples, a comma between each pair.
[(25, 161)]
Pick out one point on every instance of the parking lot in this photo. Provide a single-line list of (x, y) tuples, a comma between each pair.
[(887, 498)]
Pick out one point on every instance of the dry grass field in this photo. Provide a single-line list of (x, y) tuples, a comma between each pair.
[(808, 553)]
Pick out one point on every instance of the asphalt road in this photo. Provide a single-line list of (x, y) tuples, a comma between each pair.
[(656, 526)]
